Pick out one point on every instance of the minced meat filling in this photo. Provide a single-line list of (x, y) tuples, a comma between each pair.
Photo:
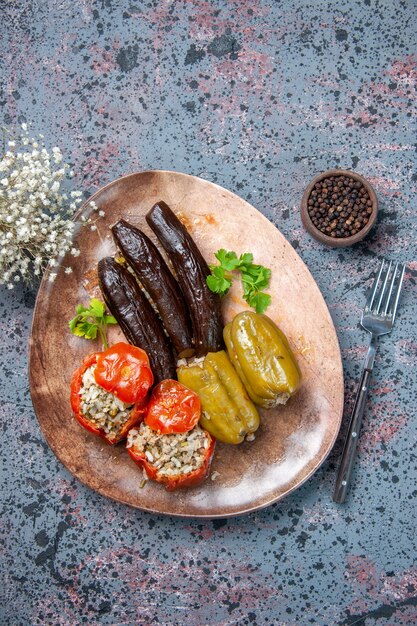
[(179, 453), (101, 407)]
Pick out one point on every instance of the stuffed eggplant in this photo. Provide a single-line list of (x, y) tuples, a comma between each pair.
[(153, 273), (136, 317), (191, 272)]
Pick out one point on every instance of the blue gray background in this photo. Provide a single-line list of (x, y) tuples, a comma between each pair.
[(259, 97)]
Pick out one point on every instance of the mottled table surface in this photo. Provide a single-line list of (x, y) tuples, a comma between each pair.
[(259, 97)]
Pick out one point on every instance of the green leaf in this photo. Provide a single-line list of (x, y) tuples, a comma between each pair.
[(218, 285), (261, 281), (246, 259), (90, 330), (254, 277), (79, 331), (97, 307), (73, 323), (258, 276), (228, 260), (91, 322), (260, 301)]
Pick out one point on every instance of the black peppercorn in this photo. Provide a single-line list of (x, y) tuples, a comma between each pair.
[(339, 206)]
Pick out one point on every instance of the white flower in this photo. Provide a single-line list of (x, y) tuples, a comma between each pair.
[(34, 212), (101, 213), (57, 154), (93, 227), (68, 270)]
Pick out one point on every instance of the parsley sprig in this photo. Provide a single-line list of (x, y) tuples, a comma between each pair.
[(255, 278), (92, 321)]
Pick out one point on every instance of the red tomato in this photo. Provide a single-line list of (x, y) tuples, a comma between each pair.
[(173, 408), (124, 370), (136, 414)]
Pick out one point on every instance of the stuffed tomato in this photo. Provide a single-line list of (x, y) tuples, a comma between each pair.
[(170, 445), (109, 391), (176, 460)]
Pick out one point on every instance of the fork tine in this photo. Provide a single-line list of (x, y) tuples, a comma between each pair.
[(392, 283), (371, 296), (383, 292), (393, 309)]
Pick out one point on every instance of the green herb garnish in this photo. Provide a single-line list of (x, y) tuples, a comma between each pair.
[(255, 278), (88, 322)]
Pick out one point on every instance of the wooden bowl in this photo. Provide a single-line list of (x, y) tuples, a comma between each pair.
[(341, 242)]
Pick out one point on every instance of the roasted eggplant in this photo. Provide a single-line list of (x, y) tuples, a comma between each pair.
[(191, 272), (136, 317), (153, 273)]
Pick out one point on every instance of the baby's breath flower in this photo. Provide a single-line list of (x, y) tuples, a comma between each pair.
[(101, 213), (35, 215)]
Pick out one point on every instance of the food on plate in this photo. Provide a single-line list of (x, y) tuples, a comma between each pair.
[(176, 460), (153, 273), (173, 408), (90, 321), (136, 317), (171, 432), (255, 278), (101, 411), (191, 272), (262, 356), (124, 371), (227, 412)]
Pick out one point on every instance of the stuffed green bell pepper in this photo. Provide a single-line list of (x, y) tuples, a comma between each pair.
[(262, 356), (227, 412)]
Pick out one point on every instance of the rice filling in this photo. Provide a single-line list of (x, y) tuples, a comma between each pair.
[(171, 455), (101, 407)]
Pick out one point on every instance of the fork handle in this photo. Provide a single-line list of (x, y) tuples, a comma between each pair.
[(348, 455)]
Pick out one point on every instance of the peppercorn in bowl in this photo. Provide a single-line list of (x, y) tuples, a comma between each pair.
[(339, 208)]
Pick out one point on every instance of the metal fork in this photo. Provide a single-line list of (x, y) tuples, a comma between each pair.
[(378, 319)]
